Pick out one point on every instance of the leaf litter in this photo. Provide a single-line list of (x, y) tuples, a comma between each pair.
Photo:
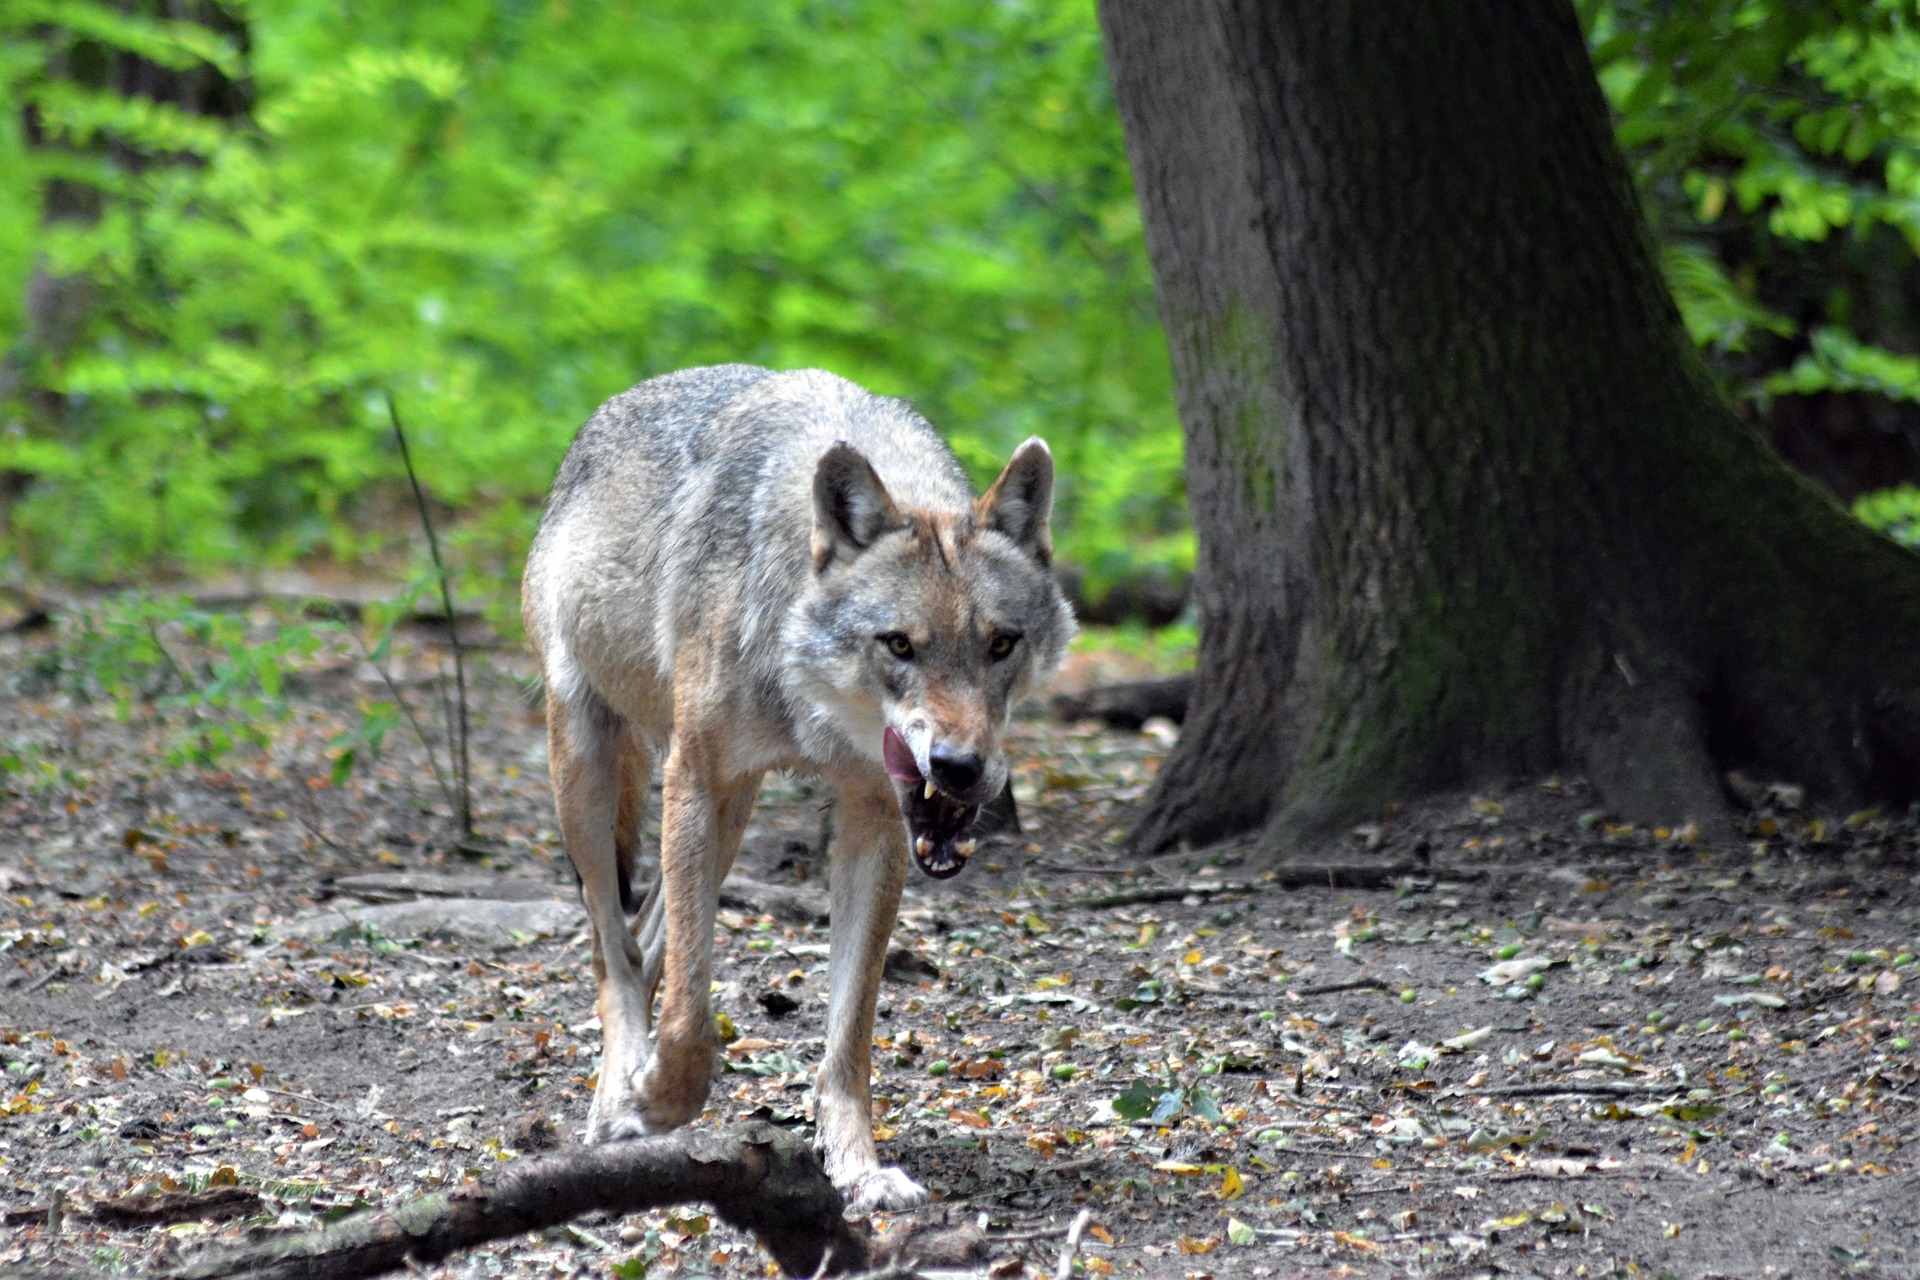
[(1568, 1046)]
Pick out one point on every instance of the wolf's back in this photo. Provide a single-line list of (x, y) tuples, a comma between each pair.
[(684, 508)]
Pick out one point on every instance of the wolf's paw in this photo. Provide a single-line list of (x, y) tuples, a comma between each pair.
[(672, 1088), (883, 1190), (613, 1123), (623, 1128)]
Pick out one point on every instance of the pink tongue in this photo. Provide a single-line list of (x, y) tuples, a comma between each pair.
[(899, 757)]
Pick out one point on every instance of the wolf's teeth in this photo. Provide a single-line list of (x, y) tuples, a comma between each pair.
[(928, 794), (965, 848), (923, 846)]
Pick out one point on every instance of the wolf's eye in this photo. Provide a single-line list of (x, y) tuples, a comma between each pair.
[(1002, 645), (898, 645)]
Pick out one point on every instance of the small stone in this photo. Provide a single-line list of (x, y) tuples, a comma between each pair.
[(777, 1003)]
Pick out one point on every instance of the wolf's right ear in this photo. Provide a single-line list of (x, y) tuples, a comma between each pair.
[(851, 508), (1019, 502)]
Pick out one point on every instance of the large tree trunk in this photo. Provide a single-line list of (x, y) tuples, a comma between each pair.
[(1468, 506)]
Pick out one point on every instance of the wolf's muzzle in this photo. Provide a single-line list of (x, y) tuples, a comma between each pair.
[(937, 822)]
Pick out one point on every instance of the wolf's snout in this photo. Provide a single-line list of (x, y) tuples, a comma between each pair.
[(956, 771)]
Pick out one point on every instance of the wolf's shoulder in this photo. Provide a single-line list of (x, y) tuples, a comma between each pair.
[(661, 409)]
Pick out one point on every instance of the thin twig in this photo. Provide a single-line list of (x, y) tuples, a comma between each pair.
[(59, 970), (1331, 988), (406, 709), (450, 719), (1064, 1269), (464, 806)]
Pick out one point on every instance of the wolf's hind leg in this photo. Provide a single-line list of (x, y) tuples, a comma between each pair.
[(633, 775), (703, 817), (585, 744), (869, 870), (650, 932), (649, 914)]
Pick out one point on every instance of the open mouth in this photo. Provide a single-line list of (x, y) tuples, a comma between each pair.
[(937, 824)]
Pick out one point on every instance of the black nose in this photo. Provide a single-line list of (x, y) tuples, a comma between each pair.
[(955, 772)]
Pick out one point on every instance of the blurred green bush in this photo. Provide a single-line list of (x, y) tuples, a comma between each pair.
[(1777, 146), (506, 212)]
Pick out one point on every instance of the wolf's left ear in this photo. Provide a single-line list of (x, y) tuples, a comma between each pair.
[(1019, 502), (851, 508)]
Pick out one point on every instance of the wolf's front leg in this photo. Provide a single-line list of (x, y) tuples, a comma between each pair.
[(702, 818), (869, 870)]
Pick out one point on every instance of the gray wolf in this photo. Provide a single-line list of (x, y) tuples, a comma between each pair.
[(744, 570)]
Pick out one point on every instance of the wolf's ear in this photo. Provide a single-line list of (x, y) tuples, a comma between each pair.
[(1020, 501), (850, 506)]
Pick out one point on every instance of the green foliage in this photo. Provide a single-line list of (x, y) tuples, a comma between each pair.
[(217, 682), (1777, 144), (1143, 1101), (29, 768), (505, 214), (1167, 650), (1894, 512), (215, 679)]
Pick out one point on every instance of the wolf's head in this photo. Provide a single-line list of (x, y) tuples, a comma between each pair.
[(928, 624)]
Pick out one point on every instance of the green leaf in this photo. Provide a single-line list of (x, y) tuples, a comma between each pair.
[(1137, 1101)]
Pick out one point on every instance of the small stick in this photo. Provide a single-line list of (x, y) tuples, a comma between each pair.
[(1064, 1271), (406, 709), (59, 970), (464, 809), (1330, 988)]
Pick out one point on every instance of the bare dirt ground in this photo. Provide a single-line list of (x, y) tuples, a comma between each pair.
[(1553, 1046)]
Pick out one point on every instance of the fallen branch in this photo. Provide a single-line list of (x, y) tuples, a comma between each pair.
[(212, 1205), (136, 1210), (1161, 893), (1130, 704), (1288, 875), (1569, 1088), (758, 1177), (1343, 875), (783, 903)]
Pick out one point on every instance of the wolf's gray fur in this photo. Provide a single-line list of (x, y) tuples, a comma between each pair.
[(751, 570)]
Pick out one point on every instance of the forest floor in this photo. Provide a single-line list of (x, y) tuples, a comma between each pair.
[(1550, 1046)]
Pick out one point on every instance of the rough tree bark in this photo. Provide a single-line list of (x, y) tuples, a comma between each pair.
[(1468, 505)]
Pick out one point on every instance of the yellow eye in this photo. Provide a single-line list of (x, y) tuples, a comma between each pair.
[(1001, 646), (898, 645)]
